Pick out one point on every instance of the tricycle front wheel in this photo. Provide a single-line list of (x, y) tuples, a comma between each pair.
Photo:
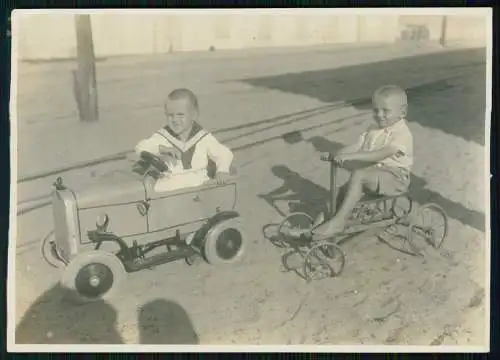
[(325, 259), (291, 223)]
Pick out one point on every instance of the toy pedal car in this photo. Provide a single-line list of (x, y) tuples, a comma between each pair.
[(325, 258), (120, 224)]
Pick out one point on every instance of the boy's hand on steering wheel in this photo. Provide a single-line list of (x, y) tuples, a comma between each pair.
[(221, 177)]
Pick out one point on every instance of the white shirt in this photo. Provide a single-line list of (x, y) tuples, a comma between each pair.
[(397, 135), (191, 170)]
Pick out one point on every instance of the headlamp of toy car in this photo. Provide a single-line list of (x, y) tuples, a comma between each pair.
[(102, 222)]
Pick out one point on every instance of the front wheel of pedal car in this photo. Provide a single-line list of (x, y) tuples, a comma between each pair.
[(93, 276), (224, 243)]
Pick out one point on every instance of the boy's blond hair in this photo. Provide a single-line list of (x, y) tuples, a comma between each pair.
[(386, 91), (183, 93)]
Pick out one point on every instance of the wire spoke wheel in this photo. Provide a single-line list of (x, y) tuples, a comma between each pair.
[(428, 226), (294, 222), (271, 233), (401, 206), (395, 236), (324, 260)]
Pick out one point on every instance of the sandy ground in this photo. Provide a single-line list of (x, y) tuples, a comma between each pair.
[(383, 296)]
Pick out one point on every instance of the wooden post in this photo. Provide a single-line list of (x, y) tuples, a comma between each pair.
[(444, 25), (85, 76), (333, 189)]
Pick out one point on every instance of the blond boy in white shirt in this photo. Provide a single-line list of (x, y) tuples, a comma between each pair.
[(380, 160), (187, 145)]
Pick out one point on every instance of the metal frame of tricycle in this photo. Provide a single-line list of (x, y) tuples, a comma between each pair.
[(332, 244)]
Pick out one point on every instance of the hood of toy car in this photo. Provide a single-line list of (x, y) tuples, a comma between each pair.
[(114, 188)]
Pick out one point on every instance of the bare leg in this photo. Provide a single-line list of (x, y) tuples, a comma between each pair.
[(353, 195), (337, 223)]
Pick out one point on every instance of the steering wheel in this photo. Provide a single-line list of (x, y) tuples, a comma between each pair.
[(154, 161)]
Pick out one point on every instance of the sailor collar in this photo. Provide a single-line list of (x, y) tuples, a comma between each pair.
[(197, 133)]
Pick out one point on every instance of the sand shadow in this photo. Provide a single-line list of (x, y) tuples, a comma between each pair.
[(165, 322), (52, 319), (300, 193), (355, 84)]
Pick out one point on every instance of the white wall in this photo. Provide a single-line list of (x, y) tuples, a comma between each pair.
[(52, 35)]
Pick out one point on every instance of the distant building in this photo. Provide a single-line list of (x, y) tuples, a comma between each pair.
[(52, 36)]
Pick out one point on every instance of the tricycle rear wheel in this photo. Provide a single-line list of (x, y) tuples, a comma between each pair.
[(430, 224)]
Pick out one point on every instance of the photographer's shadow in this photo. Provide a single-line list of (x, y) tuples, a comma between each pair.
[(52, 319), (165, 322)]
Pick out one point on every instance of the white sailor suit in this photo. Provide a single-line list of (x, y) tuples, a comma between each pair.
[(191, 166)]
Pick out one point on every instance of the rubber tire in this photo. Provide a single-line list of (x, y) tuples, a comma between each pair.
[(210, 243), (83, 259)]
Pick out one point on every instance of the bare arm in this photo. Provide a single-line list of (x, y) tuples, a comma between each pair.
[(372, 156), (220, 154), (351, 148), (354, 147), (152, 144)]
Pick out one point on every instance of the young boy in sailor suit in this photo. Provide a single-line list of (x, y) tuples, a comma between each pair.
[(188, 145)]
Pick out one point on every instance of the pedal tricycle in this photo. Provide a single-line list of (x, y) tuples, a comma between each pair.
[(392, 218), (121, 224)]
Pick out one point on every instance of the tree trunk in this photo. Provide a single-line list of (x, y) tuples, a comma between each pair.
[(85, 75)]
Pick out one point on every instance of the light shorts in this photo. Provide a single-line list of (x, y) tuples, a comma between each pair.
[(386, 180)]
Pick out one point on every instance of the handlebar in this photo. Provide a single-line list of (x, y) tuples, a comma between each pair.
[(333, 182), (328, 157)]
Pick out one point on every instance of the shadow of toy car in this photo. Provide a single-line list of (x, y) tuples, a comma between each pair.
[(120, 224)]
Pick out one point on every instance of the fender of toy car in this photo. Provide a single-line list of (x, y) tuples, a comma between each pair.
[(114, 188), (221, 216), (210, 223)]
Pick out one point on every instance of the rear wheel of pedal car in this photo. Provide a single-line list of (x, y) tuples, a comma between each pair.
[(224, 242), (93, 276)]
